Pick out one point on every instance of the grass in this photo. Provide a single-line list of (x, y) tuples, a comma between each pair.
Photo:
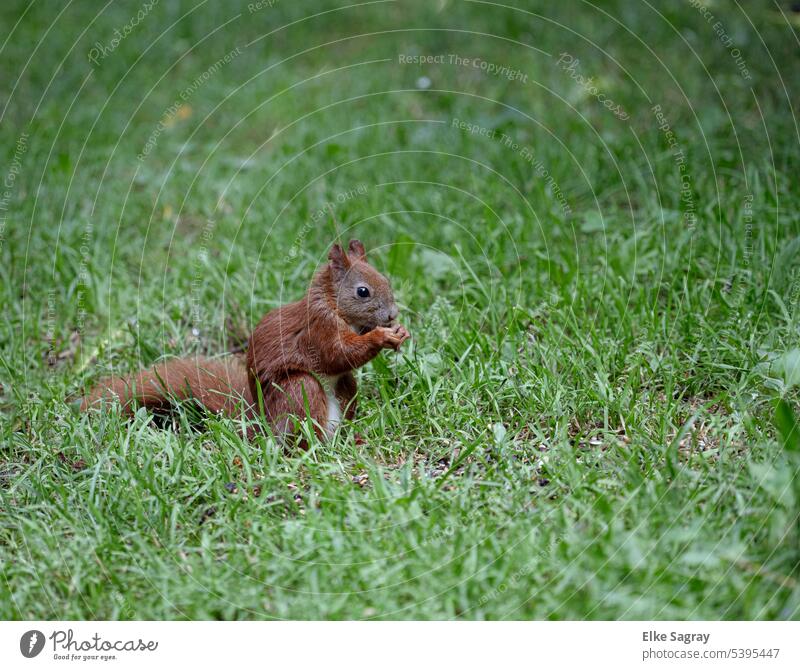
[(604, 310)]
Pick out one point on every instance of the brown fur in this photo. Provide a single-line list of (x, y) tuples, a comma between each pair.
[(292, 354), (219, 385)]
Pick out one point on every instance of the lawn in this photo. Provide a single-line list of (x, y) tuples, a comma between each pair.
[(590, 216)]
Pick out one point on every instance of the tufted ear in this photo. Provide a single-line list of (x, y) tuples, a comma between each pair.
[(357, 249), (339, 260)]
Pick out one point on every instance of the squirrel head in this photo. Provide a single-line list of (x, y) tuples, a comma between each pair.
[(363, 296)]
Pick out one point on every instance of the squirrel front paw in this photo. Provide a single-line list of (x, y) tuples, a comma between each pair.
[(392, 338)]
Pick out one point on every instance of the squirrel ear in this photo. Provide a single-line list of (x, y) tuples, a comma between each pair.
[(357, 249), (338, 258)]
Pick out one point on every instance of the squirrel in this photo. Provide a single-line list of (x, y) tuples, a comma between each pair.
[(300, 357)]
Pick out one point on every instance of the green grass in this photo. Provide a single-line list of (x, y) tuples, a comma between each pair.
[(584, 424)]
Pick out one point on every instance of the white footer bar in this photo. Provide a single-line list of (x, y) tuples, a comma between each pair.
[(389, 645)]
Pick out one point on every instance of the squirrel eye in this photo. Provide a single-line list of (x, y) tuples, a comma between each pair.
[(362, 292)]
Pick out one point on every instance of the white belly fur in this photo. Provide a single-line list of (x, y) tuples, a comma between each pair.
[(334, 408)]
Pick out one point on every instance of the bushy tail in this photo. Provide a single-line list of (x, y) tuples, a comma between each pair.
[(221, 386)]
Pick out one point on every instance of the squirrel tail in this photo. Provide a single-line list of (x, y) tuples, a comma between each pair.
[(221, 386)]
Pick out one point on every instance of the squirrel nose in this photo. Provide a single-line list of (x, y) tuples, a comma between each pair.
[(393, 312)]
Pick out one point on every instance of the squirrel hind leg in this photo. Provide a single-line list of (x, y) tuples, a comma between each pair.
[(298, 396)]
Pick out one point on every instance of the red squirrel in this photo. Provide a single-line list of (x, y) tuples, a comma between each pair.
[(301, 356)]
